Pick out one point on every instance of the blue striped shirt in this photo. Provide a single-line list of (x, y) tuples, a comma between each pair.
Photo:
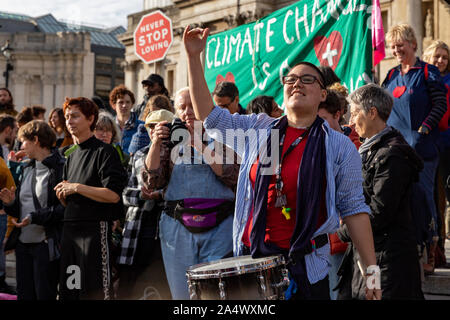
[(344, 193)]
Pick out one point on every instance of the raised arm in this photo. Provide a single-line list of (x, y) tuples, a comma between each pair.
[(194, 43)]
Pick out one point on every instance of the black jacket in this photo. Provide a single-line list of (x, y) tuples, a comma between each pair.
[(50, 217), (390, 168)]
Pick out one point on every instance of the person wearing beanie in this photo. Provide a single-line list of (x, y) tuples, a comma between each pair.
[(139, 140)]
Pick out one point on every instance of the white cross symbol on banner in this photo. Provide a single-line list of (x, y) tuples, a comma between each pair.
[(329, 54)]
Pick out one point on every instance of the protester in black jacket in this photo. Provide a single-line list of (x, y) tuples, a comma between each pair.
[(37, 214), (153, 85), (390, 167)]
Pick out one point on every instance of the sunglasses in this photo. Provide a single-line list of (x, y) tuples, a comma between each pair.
[(305, 79)]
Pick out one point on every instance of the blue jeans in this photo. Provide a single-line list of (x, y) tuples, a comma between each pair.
[(335, 261), (3, 226), (182, 249)]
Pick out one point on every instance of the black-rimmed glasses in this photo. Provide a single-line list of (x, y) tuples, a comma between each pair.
[(305, 79)]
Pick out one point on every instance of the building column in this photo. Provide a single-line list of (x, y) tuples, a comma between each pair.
[(47, 94), (59, 90), (415, 20), (131, 79), (69, 76), (18, 83)]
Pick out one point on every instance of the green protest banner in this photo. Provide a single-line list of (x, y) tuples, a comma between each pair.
[(257, 55)]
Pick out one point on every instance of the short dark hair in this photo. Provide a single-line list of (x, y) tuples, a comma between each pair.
[(25, 116), (7, 121), (309, 64), (37, 110), (329, 76), (119, 92), (98, 101), (261, 104), (40, 129), (332, 103), (226, 89), (87, 107)]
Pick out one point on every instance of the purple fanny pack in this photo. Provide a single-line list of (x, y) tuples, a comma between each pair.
[(200, 215)]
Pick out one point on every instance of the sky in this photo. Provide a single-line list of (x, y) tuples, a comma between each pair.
[(100, 13)]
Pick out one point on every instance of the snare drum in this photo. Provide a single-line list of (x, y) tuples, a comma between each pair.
[(239, 278)]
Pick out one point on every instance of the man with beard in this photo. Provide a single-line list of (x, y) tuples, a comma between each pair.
[(6, 102), (8, 132), (153, 85)]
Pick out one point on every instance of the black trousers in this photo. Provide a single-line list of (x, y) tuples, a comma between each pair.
[(85, 261), (146, 277), (319, 291), (36, 276)]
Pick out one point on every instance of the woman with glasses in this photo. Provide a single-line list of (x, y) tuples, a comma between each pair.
[(317, 178)]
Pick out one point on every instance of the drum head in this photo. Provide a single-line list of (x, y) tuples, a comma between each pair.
[(233, 266)]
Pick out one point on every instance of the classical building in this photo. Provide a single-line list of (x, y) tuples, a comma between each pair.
[(55, 59), (428, 17)]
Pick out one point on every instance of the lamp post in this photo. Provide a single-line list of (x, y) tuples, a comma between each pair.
[(6, 51)]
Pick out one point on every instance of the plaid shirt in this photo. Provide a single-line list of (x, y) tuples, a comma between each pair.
[(136, 208)]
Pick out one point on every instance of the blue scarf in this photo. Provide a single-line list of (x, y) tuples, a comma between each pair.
[(311, 184)]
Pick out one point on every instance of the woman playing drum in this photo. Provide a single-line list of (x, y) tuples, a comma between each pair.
[(291, 211)]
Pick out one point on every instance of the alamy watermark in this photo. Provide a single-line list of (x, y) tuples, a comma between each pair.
[(74, 279)]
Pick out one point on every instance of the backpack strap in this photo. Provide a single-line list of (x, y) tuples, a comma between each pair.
[(391, 73), (425, 71)]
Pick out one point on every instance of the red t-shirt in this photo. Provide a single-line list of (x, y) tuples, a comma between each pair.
[(278, 229)]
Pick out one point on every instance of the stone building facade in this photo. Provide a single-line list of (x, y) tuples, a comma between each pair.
[(47, 68), (54, 59), (429, 18)]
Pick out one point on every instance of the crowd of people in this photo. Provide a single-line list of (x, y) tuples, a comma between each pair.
[(102, 202)]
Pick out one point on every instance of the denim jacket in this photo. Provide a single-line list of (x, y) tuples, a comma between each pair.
[(130, 128)]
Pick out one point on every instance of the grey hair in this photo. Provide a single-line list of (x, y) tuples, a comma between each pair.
[(179, 92), (372, 95), (106, 121)]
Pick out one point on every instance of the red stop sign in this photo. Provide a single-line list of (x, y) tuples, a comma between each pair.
[(153, 37)]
